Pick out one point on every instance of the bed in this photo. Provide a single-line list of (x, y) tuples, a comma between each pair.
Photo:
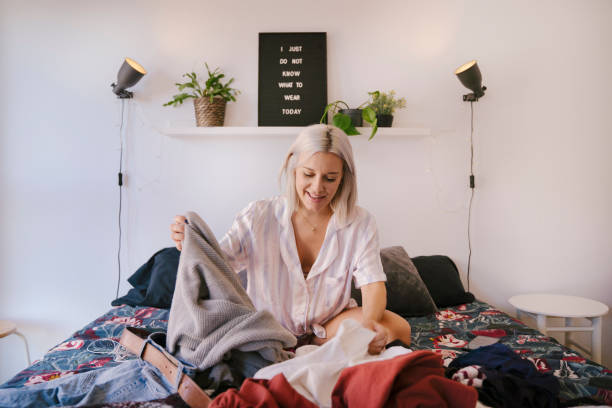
[(447, 331)]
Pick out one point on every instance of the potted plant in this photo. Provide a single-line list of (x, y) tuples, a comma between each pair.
[(384, 105), (348, 119), (208, 101)]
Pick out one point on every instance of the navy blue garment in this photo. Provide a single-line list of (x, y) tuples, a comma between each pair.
[(491, 356), (511, 380), (510, 391), (153, 283), (236, 367)]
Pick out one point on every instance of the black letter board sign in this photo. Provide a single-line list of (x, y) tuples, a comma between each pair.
[(292, 78)]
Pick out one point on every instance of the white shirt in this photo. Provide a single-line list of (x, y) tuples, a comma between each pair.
[(314, 371), (262, 242)]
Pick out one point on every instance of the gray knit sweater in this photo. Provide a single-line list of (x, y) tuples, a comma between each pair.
[(211, 313)]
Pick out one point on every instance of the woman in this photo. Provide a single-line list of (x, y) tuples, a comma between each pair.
[(301, 251)]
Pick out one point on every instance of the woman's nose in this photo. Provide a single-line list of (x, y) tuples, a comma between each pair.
[(318, 185)]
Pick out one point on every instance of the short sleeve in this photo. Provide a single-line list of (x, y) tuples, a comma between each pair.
[(235, 243), (368, 267)]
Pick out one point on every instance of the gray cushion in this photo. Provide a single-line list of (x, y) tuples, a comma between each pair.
[(407, 295)]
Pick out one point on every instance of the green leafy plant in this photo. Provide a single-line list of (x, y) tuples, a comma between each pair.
[(344, 122), (212, 87), (385, 103)]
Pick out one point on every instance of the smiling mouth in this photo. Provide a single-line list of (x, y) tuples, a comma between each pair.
[(315, 198)]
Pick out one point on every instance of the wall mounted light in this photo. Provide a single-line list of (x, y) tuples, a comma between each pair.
[(129, 74), (470, 77)]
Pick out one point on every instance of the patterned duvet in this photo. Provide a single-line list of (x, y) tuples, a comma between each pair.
[(447, 333)]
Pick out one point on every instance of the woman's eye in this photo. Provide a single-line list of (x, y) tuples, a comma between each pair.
[(308, 175), (331, 180)]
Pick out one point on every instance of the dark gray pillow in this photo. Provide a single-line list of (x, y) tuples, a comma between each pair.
[(441, 276), (407, 295)]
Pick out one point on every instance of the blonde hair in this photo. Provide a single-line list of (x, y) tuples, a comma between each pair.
[(327, 139)]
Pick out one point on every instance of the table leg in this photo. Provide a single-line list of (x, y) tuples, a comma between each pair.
[(542, 323), (565, 336), (26, 346), (596, 340)]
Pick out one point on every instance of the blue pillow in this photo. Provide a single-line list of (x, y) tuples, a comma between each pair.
[(153, 283)]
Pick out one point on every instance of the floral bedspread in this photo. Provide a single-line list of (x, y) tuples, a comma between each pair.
[(95, 345), (447, 333)]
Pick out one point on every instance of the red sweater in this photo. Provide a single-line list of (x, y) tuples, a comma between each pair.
[(410, 380)]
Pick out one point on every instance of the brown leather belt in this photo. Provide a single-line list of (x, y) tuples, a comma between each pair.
[(133, 339)]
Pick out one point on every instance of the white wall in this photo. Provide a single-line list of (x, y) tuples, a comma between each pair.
[(541, 214)]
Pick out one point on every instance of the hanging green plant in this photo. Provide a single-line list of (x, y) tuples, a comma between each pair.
[(344, 121)]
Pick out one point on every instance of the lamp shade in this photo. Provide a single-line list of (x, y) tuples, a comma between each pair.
[(470, 76), (129, 74)]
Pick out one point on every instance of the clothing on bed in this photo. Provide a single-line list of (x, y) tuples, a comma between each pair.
[(95, 347), (341, 373), (134, 380), (510, 381), (471, 375), (262, 242), (276, 392), (409, 380), (153, 282), (211, 313), (231, 372), (315, 369), (171, 401)]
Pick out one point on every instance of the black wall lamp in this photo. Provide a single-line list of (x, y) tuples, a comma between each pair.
[(129, 74), (470, 77)]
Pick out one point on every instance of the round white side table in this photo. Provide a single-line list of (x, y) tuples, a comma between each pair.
[(7, 328), (543, 305)]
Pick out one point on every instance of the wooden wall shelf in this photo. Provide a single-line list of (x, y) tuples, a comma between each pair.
[(280, 131)]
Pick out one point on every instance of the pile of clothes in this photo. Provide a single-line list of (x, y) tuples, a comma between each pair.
[(504, 379)]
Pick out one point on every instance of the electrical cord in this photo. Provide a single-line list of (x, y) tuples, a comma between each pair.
[(120, 182), (472, 185)]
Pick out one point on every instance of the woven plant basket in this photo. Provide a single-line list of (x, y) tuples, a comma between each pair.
[(209, 113)]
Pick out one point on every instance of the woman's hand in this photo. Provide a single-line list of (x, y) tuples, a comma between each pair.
[(374, 301), (177, 231), (378, 343)]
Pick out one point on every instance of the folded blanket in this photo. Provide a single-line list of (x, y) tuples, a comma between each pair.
[(211, 313)]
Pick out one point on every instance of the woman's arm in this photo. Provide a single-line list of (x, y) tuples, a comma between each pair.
[(374, 301)]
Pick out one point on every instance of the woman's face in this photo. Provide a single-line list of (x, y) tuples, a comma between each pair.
[(317, 179)]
